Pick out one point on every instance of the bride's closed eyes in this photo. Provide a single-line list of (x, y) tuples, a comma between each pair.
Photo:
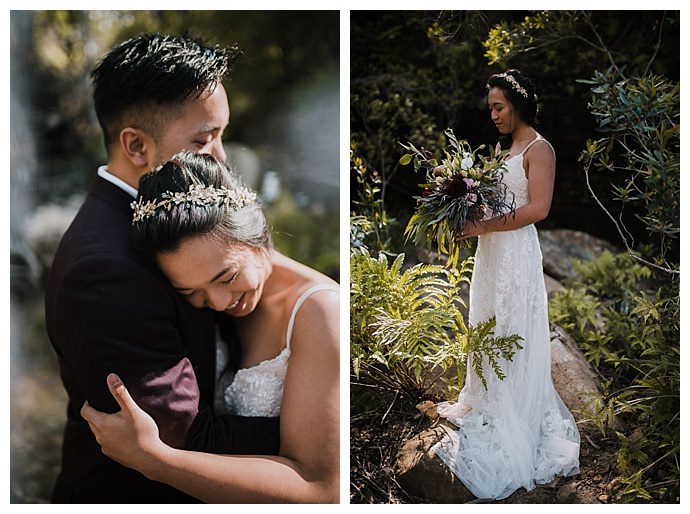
[(226, 283), (232, 279)]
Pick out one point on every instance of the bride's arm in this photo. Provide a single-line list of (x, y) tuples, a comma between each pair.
[(542, 170), (308, 465)]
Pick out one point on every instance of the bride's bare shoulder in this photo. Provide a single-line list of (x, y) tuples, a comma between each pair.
[(299, 276), (541, 153)]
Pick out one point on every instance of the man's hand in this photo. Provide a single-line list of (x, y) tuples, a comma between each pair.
[(129, 436)]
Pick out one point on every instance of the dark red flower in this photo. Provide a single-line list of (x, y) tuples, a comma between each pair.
[(456, 187)]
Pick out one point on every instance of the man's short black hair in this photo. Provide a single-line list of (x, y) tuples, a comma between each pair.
[(142, 81)]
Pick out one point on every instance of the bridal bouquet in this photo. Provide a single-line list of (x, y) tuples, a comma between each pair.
[(461, 187)]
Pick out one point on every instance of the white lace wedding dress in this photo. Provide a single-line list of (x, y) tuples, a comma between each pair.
[(257, 390), (518, 432)]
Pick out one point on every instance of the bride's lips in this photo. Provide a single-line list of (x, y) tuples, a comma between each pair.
[(237, 306)]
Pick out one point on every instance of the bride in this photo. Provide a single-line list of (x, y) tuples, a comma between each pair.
[(517, 432), (208, 235)]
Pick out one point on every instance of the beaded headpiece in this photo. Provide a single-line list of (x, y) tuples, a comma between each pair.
[(514, 84), (198, 194)]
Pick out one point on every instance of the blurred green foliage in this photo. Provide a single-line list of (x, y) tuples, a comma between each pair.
[(307, 235), (284, 53)]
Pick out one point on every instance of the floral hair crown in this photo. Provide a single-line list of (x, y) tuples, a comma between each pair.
[(514, 84), (198, 194)]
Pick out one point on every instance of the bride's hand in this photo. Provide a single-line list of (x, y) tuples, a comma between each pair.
[(471, 229), (129, 436)]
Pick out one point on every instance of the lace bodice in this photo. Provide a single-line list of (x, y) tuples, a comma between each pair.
[(258, 390), (514, 177)]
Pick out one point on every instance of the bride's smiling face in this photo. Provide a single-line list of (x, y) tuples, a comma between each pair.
[(226, 277)]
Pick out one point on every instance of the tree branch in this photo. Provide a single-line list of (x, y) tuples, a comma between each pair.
[(658, 44), (631, 252), (603, 48)]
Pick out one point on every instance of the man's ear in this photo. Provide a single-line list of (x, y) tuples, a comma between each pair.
[(137, 146)]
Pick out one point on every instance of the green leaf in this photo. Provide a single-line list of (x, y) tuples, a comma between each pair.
[(406, 159)]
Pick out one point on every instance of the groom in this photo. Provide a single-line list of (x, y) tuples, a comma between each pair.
[(109, 309)]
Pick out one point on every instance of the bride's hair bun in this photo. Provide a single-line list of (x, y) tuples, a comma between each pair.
[(165, 224)]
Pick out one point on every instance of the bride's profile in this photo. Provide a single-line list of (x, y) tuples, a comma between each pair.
[(207, 233), (516, 432)]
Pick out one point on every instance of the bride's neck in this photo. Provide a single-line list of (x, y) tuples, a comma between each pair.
[(277, 278), (523, 134)]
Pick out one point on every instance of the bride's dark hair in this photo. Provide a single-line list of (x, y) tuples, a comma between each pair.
[(519, 91), (166, 229)]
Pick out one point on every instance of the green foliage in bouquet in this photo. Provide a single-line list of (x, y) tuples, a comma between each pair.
[(407, 329), (626, 318), (461, 187)]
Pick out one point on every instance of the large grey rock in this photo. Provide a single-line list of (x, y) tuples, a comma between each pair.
[(573, 377), (552, 286), (420, 473), (560, 246)]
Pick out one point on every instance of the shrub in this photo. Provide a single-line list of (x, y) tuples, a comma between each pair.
[(626, 319)]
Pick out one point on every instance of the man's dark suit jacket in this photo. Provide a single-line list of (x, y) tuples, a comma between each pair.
[(109, 309)]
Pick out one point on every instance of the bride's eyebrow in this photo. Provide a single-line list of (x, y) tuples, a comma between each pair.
[(220, 274)]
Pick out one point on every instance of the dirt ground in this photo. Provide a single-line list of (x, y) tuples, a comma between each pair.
[(375, 440)]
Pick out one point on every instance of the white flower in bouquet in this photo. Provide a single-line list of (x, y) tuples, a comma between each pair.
[(467, 161)]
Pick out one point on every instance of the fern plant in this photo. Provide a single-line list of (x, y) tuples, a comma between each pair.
[(407, 327)]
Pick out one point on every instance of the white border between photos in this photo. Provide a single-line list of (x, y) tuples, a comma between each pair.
[(344, 258)]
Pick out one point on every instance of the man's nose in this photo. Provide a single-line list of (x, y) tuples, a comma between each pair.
[(218, 151)]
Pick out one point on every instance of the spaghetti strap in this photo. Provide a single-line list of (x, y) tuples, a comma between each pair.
[(300, 301), (538, 138), (531, 143)]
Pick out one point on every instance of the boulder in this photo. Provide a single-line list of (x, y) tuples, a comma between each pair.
[(573, 377), (420, 473), (552, 286), (560, 246)]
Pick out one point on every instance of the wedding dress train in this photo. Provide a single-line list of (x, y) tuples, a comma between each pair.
[(518, 432)]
